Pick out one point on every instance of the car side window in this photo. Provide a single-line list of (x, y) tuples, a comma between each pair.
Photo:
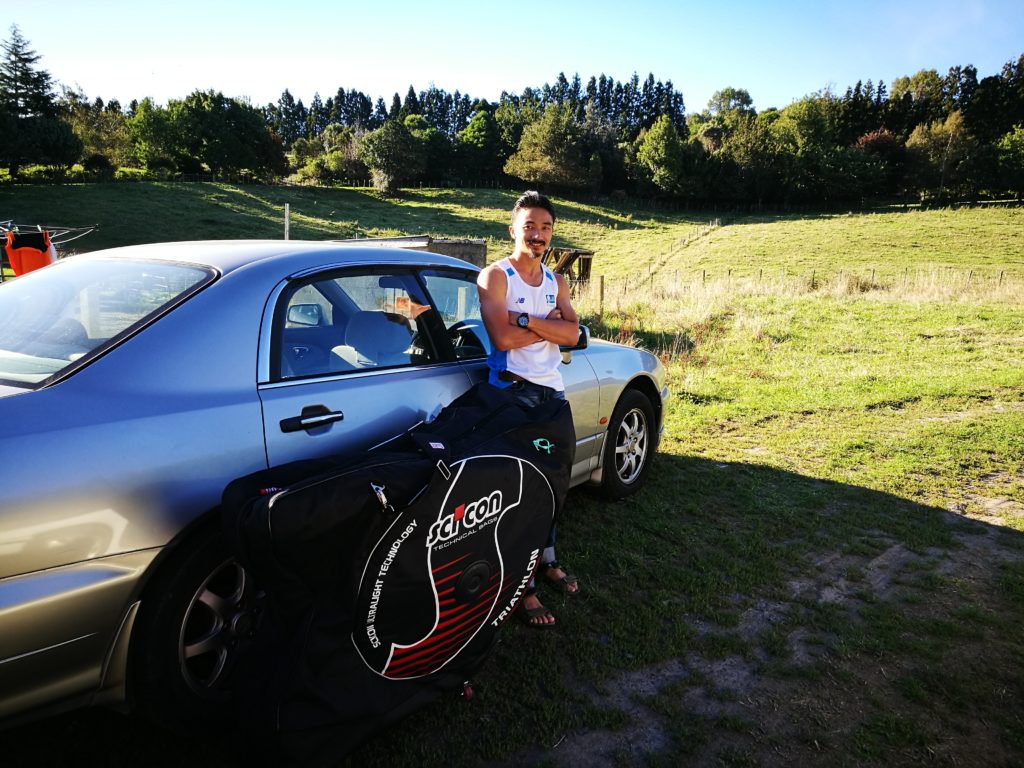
[(457, 302), (351, 321)]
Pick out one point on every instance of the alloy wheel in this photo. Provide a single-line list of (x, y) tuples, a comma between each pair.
[(224, 612), (631, 446)]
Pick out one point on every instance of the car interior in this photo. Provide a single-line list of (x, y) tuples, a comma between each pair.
[(374, 339), (352, 323)]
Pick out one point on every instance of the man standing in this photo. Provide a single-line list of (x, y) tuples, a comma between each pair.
[(528, 313)]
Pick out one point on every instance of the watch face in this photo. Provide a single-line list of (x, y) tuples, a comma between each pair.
[(524, 320)]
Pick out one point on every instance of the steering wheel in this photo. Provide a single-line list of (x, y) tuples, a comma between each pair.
[(465, 338)]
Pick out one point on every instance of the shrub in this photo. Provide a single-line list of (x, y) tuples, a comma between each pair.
[(51, 174), (98, 166), (142, 174)]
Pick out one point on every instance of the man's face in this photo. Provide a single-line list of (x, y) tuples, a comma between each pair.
[(532, 230)]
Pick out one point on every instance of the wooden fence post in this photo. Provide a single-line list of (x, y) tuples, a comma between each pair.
[(600, 297)]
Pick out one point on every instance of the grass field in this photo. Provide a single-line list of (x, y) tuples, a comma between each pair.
[(630, 243), (827, 566)]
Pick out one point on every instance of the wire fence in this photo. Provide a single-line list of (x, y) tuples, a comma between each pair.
[(930, 283)]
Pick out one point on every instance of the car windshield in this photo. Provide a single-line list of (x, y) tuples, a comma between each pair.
[(60, 317)]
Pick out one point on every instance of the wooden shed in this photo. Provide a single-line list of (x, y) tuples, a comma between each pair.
[(572, 263)]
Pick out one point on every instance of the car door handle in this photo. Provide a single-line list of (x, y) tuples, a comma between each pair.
[(312, 416)]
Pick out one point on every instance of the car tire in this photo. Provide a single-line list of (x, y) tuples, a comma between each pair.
[(629, 445), (198, 618)]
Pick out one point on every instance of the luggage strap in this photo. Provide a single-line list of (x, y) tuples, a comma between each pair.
[(437, 449)]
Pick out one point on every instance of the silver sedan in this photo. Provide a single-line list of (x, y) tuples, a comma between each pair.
[(136, 383)]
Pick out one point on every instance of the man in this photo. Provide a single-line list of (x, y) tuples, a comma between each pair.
[(528, 314)]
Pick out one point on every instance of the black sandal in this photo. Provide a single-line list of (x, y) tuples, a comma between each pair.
[(529, 615), (560, 585)]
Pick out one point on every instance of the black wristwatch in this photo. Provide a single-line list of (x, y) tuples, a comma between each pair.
[(523, 321)]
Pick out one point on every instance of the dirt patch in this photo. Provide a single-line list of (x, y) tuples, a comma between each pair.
[(830, 583), (806, 702), (982, 502), (975, 413)]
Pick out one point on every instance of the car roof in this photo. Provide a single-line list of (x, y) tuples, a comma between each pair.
[(229, 255)]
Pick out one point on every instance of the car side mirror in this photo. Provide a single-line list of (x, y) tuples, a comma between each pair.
[(581, 343), (305, 314)]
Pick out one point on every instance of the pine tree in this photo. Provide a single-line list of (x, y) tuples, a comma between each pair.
[(462, 112), (25, 91), (436, 108), (411, 105), (605, 89), (360, 110), (648, 102), (30, 129), (380, 114), (592, 92), (575, 97), (317, 117), (291, 118)]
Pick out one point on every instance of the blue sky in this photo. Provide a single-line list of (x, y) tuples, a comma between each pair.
[(779, 51)]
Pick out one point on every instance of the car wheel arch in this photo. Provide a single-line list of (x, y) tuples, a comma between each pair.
[(646, 386), (205, 524), (203, 532)]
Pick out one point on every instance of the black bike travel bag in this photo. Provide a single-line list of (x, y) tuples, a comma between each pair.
[(387, 578)]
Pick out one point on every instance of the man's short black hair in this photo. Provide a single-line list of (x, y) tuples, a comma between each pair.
[(533, 199)]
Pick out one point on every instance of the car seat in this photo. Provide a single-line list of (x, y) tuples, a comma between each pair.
[(374, 340)]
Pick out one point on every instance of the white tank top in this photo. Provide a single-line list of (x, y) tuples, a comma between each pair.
[(539, 361)]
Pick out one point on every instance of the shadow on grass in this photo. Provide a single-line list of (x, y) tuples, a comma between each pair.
[(146, 212), (674, 572), (605, 213)]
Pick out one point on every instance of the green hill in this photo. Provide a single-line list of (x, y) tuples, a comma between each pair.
[(629, 241)]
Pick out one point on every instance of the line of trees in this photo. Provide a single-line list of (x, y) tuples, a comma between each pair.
[(925, 136)]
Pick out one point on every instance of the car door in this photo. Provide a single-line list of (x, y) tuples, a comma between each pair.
[(351, 362), (454, 295)]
